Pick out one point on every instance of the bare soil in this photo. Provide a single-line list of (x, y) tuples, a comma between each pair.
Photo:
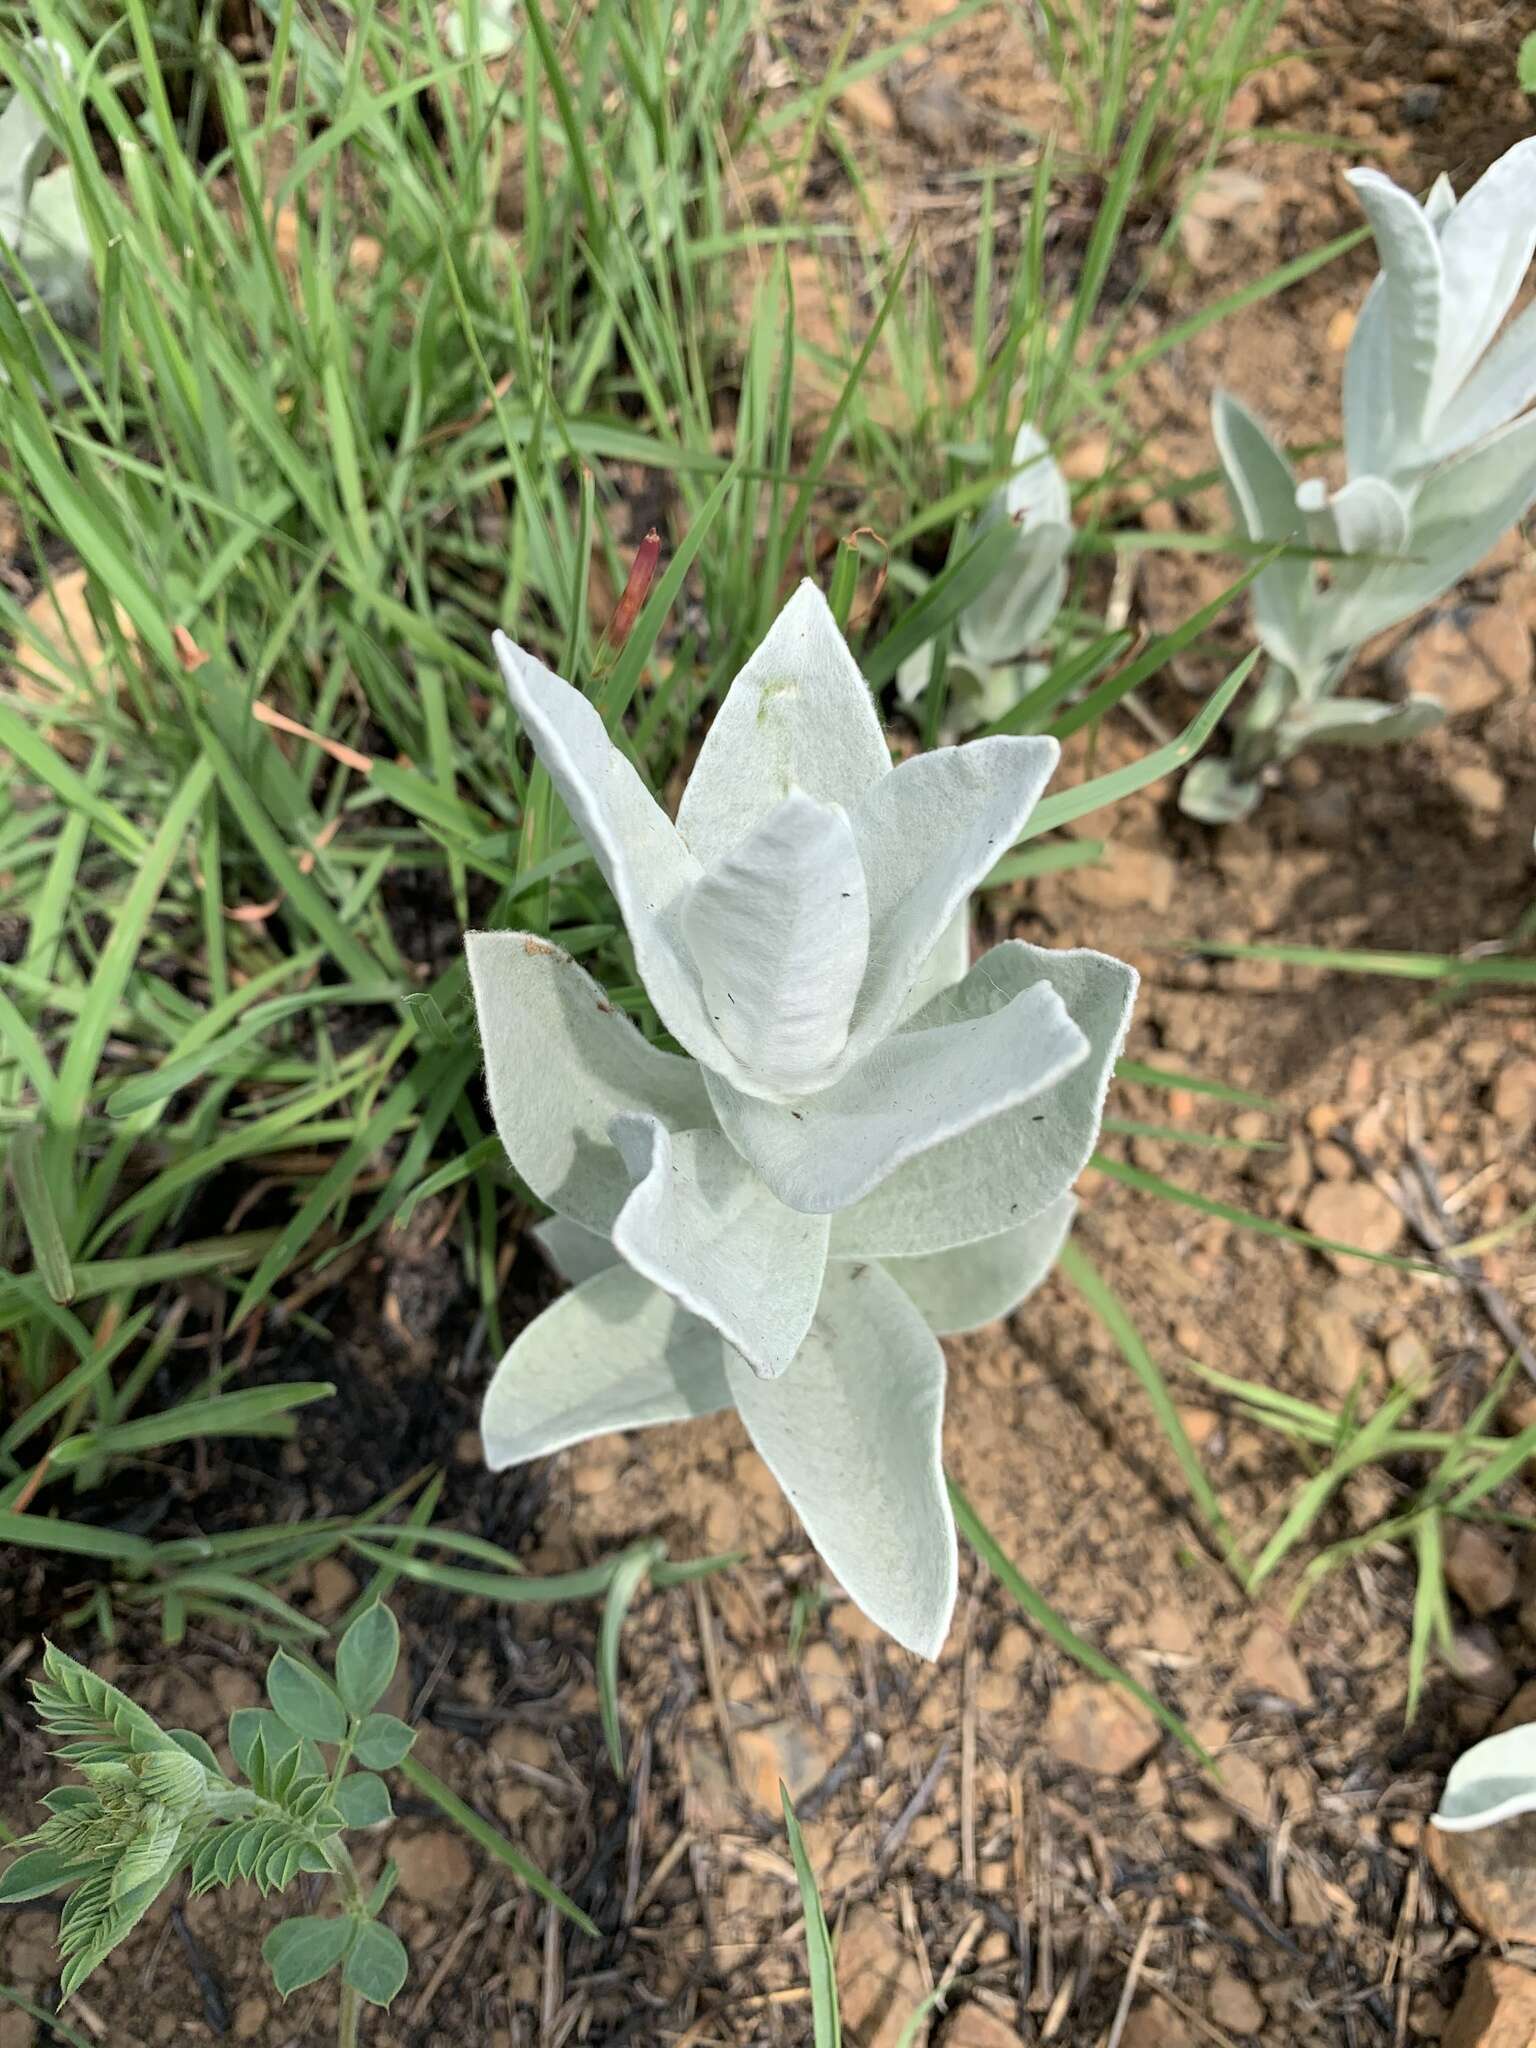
[(986, 1816)]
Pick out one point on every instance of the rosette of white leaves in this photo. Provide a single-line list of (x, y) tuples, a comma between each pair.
[(1394, 548), (1440, 441), (986, 671), (1391, 548), (869, 1145), (1428, 373)]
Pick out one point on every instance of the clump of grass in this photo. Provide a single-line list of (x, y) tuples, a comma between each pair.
[(1442, 1477), (1200, 50)]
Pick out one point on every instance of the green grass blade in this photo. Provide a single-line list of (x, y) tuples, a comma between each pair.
[(1050, 1623), (1265, 1226), (1081, 1272), (39, 1218), (826, 2015), (493, 1842), (629, 1576), (1068, 805)]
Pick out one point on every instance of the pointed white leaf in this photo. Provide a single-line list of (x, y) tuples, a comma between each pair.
[(919, 1088), (25, 141), (799, 716), (702, 1226), (1361, 722), (575, 1252), (977, 693), (1006, 1170), (1213, 792), (948, 963), (1500, 388), (1368, 448), (1036, 493), (1018, 605), (1485, 249), (853, 1434), (1366, 517), (560, 1064), (927, 835), (1493, 1781), (1262, 487), (614, 1353), (779, 932), (1440, 202), (977, 1283), (1413, 281), (55, 251), (914, 674), (1461, 509), (644, 862)]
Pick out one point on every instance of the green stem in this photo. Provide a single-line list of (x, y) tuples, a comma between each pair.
[(350, 2014), (348, 1883)]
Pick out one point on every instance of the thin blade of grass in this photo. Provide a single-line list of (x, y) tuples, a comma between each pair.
[(1068, 805), (1082, 1274), (493, 1842), (1050, 1623), (629, 1575), (826, 2016)]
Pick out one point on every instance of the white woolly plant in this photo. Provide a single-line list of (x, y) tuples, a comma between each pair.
[(988, 667), (1440, 443), (45, 253), (864, 1145), (1494, 1781)]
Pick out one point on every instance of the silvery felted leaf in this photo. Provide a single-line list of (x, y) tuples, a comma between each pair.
[(644, 862), (1036, 493), (25, 143), (1366, 517), (1412, 289), (977, 1283), (1369, 521), (1017, 606), (1460, 510), (1493, 1781), (702, 1226), (1367, 390), (614, 1353), (853, 1434), (915, 1091), (1262, 487), (495, 31), (1502, 386), (1440, 202), (1361, 722), (976, 693), (948, 963), (927, 834), (779, 932), (561, 1063), (575, 1252), (1213, 792), (1486, 245), (55, 251), (1006, 1170), (798, 716)]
